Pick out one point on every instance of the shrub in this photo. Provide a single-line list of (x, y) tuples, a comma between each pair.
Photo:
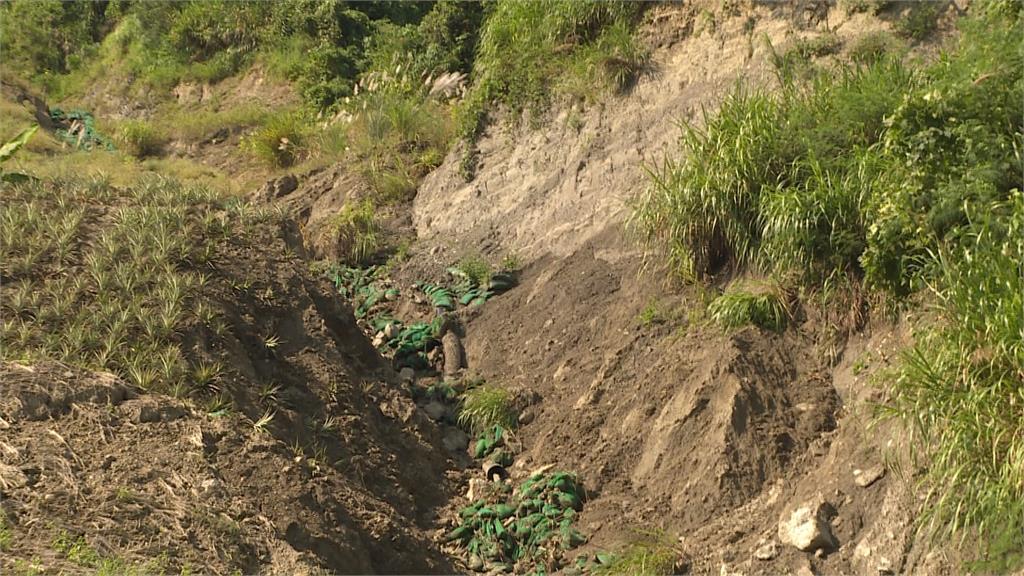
[(486, 406), (280, 142), (476, 268), (920, 20), (140, 138), (763, 305)]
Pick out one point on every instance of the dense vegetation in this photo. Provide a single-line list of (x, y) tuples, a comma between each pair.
[(901, 178)]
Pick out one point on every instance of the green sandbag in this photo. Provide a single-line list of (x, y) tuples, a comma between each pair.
[(462, 534), (566, 500), (503, 511)]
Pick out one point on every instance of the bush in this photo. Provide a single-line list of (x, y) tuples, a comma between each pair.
[(763, 305), (140, 139), (280, 142)]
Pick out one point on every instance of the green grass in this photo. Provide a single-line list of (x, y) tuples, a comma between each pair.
[(960, 385), (651, 314), (763, 305), (140, 138), (78, 551), (6, 533), (919, 20), (358, 232), (876, 46), (650, 553), (280, 142), (485, 406)]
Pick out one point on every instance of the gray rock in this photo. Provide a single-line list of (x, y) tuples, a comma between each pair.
[(865, 478), (525, 417), (435, 410), (767, 552), (407, 374), (807, 527), (455, 440), (143, 410)]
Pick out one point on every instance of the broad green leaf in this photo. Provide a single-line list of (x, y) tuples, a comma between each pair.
[(9, 148)]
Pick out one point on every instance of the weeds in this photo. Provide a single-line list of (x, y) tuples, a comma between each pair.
[(6, 534), (486, 406), (959, 386)]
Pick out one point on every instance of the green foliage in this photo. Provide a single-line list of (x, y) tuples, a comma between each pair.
[(525, 529), (476, 268), (140, 138), (960, 385), (919, 20), (280, 142), (486, 406), (8, 150), (763, 305), (358, 232), (905, 177), (876, 46), (651, 314), (45, 37)]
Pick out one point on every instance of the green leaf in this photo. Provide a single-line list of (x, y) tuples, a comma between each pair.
[(12, 146)]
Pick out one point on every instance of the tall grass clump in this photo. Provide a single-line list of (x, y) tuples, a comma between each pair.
[(140, 139), (486, 406), (280, 142), (764, 305), (359, 234)]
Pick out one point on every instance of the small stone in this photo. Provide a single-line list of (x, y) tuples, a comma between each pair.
[(477, 488), (819, 553), (884, 566), (391, 330), (407, 374), (455, 440), (807, 527), (475, 563), (865, 478), (379, 339), (767, 552), (435, 410)]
